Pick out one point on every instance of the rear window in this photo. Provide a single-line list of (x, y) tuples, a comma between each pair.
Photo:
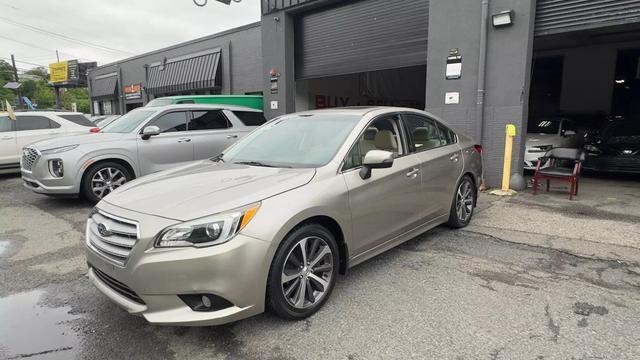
[(250, 118), (78, 119), (159, 102)]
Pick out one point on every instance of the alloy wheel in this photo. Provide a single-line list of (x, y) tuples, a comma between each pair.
[(105, 180), (307, 272), (464, 201)]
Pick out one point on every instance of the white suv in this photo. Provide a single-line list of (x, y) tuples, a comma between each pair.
[(30, 127)]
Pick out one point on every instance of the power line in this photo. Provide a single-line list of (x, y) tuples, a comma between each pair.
[(64, 37), (24, 62), (36, 46)]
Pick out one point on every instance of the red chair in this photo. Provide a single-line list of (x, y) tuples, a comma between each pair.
[(556, 158)]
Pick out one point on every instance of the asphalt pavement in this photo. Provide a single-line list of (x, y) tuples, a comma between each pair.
[(448, 294)]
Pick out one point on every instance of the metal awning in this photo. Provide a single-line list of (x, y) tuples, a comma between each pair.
[(12, 85), (104, 87), (186, 73)]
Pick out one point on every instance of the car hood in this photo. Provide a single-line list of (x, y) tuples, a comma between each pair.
[(544, 139), (82, 139), (204, 188)]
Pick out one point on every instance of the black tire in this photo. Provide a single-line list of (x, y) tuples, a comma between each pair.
[(276, 301), (455, 220), (86, 185)]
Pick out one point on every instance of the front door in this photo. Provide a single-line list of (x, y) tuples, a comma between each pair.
[(389, 202), (172, 147), (9, 154), (440, 161)]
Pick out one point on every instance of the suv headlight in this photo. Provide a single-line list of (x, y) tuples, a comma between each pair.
[(591, 148), (59, 149), (213, 230)]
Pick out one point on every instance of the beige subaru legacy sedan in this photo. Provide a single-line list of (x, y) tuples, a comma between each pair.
[(272, 221)]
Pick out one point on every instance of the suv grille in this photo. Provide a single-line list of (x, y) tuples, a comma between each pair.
[(111, 236), (117, 286), (29, 157)]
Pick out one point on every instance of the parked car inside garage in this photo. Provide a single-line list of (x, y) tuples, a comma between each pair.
[(275, 218), (30, 127), (615, 149), (141, 142), (545, 134)]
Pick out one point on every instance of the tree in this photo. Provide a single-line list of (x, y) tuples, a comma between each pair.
[(40, 71), (6, 75)]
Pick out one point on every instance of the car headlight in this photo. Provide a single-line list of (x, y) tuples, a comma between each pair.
[(56, 168), (591, 148), (213, 230), (59, 149)]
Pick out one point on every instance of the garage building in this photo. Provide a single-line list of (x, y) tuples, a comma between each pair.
[(229, 62)]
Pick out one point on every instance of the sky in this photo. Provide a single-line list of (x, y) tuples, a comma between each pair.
[(109, 30)]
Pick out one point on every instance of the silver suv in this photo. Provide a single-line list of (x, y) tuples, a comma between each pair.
[(141, 142)]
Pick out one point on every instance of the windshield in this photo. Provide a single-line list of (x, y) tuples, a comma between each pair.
[(622, 128), (128, 122), (159, 102), (295, 141), (545, 126)]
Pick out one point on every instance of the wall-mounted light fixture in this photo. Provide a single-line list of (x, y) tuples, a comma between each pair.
[(503, 18)]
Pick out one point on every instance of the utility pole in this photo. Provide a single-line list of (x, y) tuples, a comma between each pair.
[(55, 88), (15, 74)]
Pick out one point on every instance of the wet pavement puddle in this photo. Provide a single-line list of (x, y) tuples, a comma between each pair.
[(31, 330)]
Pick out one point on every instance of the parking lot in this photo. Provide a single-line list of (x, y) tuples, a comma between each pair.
[(504, 288)]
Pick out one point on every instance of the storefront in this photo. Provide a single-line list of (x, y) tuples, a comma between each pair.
[(229, 62), (467, 61)]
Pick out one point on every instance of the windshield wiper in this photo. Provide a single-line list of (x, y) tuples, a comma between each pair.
[(217, 158), (258, 163)]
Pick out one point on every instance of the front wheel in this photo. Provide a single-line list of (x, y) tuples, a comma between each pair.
[(103, 178), (303, 272), (464, 201)]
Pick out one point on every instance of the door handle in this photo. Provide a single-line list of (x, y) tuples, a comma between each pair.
[(454, 158), (413, 173), (232, 136), (184, 140)]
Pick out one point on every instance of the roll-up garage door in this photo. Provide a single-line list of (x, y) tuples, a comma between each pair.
[(559, 16), (362, 36)]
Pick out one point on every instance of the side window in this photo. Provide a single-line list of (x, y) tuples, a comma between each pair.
[(6, 124), (208, 120), (446, 135), (251, 118), (77, 119), (185, 102), (381, 134), (33, 123), (424, 132), (171, 122)]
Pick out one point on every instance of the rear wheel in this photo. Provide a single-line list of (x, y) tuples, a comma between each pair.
[(303, 272), (464, 201), (103, 178)]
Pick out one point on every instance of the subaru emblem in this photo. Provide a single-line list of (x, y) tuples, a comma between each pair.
[(104, 230)]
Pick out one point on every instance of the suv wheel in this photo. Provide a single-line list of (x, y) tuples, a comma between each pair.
[(102, 178), (303, 272), (464, 202)]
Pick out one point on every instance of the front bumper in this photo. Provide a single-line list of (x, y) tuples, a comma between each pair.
[(618, 164), (531, 159), (40, 180), (235, 271)]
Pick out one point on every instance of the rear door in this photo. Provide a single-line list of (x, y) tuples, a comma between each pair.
[(212, 132), (33, 128), (440, 161), (172, 147), (9, 153)]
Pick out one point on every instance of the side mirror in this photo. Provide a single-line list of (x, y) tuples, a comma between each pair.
[(150, 131), (375, 159), (569, 133)]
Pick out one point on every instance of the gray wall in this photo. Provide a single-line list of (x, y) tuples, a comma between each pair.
[(456, 24), (241, 60)]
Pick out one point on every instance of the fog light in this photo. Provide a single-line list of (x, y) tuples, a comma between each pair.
[(205, 302), (56, 168)]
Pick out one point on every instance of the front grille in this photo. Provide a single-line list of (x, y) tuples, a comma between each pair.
[(118, 287), (117, 238), (29, 157)]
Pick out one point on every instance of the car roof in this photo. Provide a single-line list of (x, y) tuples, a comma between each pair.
[(201, 106), (27, 113), (181, 97), (357, 110)]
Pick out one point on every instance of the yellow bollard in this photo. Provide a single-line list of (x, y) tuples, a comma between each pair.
[(506, 174)]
